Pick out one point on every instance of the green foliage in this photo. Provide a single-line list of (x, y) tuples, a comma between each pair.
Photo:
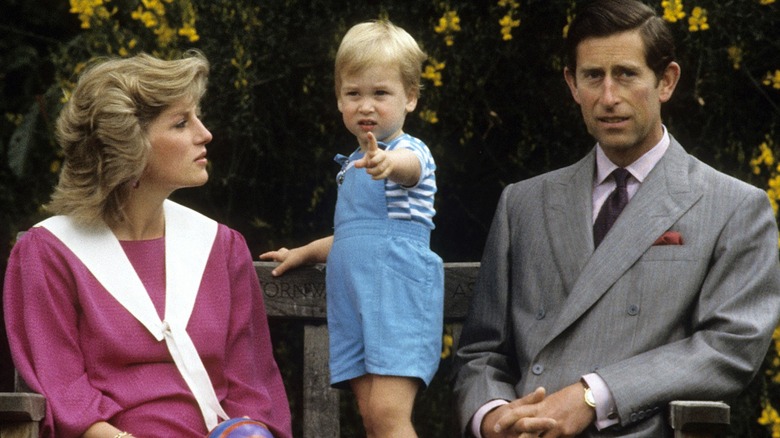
[(495, 108)]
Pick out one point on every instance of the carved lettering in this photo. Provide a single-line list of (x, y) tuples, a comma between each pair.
[(278, 289)]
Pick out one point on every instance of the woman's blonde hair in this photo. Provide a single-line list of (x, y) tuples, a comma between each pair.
[(102, 129), (380, 43)]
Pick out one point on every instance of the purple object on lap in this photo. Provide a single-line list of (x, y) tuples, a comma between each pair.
[(240, 428)]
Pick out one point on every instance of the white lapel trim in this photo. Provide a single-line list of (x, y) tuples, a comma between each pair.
[(189, 237)]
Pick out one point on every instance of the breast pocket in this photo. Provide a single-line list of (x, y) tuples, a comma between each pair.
[(670, 253)]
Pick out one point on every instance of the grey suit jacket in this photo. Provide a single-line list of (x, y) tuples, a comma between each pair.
[(657, 323)]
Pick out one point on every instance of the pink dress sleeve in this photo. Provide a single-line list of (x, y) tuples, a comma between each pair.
[(251, 370), (42, 321)]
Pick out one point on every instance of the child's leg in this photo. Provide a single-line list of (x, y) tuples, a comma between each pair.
[(386, 403)]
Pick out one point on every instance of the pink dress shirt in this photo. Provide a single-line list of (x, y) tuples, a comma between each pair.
[(93, 361)]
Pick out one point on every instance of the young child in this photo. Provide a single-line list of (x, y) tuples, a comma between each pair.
[(385, 286)]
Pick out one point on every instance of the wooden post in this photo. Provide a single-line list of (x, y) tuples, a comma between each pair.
[(698, 419), (320, 401), (20, 414)]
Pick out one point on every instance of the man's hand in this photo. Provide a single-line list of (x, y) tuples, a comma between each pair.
[(561, 414), (518, 419)]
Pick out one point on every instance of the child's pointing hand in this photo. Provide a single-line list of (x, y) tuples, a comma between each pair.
[(376, 161)]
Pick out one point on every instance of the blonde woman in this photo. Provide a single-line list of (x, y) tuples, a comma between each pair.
[(131, 314)]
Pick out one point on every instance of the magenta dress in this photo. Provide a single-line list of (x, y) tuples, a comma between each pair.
[(92, 360)]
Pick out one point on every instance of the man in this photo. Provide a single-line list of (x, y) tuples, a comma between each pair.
[(569, 336)]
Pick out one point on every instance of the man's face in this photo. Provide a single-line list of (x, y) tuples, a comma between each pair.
[(619, 95)]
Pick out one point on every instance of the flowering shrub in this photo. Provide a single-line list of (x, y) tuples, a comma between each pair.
[(494, 109)]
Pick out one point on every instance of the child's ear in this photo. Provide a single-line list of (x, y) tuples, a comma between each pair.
[(411, 100), (338, 102)]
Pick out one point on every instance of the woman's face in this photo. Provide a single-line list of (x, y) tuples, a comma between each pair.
[(178, 155)]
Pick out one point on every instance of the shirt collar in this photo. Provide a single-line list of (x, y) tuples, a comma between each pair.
[(639, 169)]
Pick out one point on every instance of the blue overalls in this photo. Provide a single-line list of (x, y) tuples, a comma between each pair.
[(385, 287)]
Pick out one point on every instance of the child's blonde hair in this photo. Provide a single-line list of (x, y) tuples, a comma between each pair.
[(380, 43)]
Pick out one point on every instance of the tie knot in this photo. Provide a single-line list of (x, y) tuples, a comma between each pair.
[(620, 175)]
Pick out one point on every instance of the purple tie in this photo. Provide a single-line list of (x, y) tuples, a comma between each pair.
[(612, 207)]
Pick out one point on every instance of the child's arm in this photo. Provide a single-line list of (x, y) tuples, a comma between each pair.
[(314, 252), (401, 165)]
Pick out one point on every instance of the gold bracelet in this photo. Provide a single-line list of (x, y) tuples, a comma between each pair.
[(121, 434)]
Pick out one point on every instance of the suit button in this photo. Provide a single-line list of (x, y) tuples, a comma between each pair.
[(632, 417), (633, 310), (537, 369), (540, 314)]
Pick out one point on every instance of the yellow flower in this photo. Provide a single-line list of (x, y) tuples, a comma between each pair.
[(16, 119), (698, 20), (767, 2), (87, 10), (772, 79), (449, 23), (432, 72), (735, 54), (507, 24), (54, 167), (189, 32), (429, 116), (673, 10), (148, 18), (446, 343), (508, 21), (188, 20)]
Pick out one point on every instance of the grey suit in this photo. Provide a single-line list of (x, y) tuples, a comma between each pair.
[(657, 323)]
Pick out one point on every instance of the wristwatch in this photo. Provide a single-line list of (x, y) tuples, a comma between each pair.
[(589, 399)]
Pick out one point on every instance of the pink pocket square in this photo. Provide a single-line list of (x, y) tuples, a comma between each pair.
[(669, 238)]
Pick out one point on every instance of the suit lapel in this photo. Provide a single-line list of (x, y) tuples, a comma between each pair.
[(567, 208), (663, 197)]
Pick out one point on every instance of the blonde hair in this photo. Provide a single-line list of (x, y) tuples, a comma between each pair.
[(102, 129), (380, 43)]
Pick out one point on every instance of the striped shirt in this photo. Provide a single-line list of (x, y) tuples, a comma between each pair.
[(415, 202)]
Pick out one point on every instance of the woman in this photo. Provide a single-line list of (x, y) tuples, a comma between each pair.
[(133, 315)]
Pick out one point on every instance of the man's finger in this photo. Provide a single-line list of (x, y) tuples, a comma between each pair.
[(520, 410)]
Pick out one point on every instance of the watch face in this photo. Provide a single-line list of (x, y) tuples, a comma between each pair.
[(589, 399)]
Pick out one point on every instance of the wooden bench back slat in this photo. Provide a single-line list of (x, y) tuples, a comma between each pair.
[(300, 293)]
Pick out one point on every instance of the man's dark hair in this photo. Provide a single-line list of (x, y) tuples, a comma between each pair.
[(602, 18)]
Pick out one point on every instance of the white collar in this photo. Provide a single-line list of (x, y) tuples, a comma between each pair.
[(183, 275)]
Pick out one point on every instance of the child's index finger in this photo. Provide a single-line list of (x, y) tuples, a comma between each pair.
[(372, 144)]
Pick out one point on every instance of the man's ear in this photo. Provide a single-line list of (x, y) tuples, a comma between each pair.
[(669, 81), (571, 81)]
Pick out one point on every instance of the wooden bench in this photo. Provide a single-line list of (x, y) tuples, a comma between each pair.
[(300, 295)]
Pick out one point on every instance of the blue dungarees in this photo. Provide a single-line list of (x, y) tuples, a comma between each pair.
[(385, 286)]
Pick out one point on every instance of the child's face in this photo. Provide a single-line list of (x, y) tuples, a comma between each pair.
[(374, 100)]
